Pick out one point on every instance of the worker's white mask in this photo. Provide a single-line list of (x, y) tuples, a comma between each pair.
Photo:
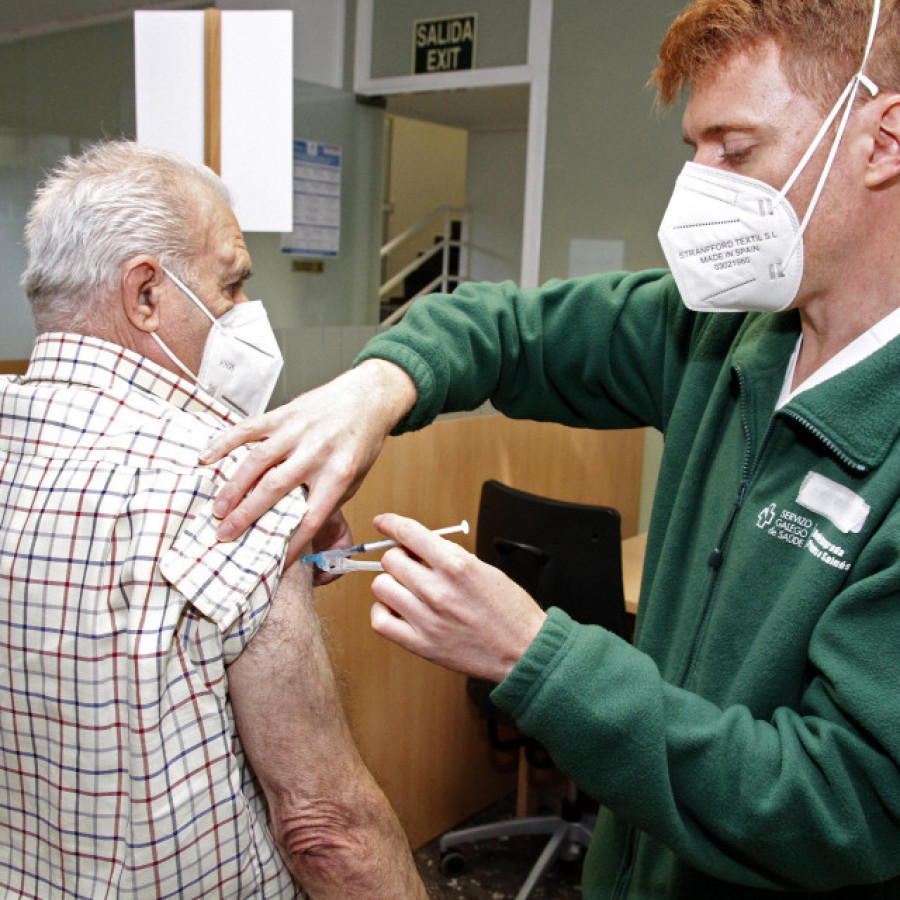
[(241, 360), (733, 243)]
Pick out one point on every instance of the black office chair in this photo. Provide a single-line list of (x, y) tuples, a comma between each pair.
[(566, 555)]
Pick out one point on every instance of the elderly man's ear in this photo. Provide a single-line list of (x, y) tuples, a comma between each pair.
[(884, 160), (142, 279)]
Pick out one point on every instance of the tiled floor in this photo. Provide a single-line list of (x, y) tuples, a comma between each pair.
[(496, 869)]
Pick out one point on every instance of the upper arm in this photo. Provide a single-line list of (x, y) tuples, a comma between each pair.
[(285, 698), (334, 827)]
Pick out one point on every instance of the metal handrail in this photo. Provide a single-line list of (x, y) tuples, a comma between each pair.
[(443, 246), (417, 263), (416, 227)]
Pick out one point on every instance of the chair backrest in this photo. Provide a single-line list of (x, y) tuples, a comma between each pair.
[(564, 554)]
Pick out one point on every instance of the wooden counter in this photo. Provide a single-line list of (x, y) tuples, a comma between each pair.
[(633, 550)]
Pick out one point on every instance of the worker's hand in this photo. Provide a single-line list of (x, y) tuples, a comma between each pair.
[(326, 439), (439, 601)]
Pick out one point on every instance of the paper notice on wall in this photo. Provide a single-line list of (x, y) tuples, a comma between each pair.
[(317, 201), (255, 131)]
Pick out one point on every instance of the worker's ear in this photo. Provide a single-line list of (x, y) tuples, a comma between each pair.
[(142, 278), (884, 161)]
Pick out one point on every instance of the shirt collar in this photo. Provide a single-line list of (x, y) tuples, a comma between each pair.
[(881, 333), (89, 361)]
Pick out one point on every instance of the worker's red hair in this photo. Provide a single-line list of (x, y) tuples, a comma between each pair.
[(822, 43)]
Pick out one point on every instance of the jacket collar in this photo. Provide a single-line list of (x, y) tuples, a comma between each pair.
[(855, 414)]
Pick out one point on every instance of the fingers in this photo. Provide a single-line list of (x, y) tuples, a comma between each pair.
[(242, 501), (411, 534), (439, 601), (402, 617), (256, 486), (425, 611), (402, 601), (391, 626), (270, 471), (334, 533), (247, 496), (243, 433), (326, 439)]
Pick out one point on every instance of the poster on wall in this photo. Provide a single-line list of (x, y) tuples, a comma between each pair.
[(317, 201)]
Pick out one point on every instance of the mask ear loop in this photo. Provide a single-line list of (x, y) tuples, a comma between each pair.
[(173, 357), (846, 100), (185, 289), (159, 342)]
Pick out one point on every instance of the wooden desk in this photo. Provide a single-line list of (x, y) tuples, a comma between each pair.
[(633, 550)]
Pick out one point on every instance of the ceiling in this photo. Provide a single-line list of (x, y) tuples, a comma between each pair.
[(30, 18), (475, 109)]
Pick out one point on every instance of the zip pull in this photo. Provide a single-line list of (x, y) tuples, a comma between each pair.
[(717, 554)]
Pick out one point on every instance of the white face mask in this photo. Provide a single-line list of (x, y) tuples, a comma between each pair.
[(734, 243), (728, 239), (241, 360)]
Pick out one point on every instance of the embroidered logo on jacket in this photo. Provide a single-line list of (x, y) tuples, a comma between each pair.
[(830, 554), (786, 525), (766, 517), (802, 532)]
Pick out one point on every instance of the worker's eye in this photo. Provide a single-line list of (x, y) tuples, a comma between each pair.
[(735, 153)]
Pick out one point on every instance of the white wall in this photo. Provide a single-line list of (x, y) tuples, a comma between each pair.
[(611, 158), (495, 196), (57, 93), (23, 160)]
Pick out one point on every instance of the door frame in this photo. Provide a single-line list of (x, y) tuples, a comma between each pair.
[(535, 73)]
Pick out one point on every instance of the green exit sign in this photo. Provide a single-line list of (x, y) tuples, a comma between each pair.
[(444, 45)]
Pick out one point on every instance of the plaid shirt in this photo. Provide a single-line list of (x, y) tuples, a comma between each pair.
[(121, 772)]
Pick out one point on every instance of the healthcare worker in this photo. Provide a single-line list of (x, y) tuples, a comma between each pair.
[(747, 744)]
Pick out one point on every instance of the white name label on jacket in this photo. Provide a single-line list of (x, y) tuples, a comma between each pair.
[(846, 510)]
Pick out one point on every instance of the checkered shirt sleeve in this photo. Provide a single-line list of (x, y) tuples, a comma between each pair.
[(121, 772)]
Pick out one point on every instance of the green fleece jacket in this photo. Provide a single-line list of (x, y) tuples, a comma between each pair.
[(747, 744)]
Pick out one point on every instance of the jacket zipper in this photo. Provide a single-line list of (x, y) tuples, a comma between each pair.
[(848, 461), (715, 559), (748, 471), (717, 554)]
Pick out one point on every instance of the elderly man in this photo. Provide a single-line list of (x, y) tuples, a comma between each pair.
[(170, 722), (749, 744)]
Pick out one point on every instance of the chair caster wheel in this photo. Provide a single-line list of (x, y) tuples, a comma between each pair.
[(453, 863)]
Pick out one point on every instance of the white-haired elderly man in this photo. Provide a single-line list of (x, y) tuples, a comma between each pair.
[(169, 722)]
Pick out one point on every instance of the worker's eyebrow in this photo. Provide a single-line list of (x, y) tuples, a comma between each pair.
[(715, 132)]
